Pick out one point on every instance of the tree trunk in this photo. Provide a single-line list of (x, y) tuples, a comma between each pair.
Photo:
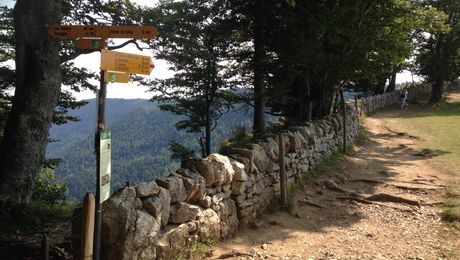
[(38, 84), (436, 90), (392, 84), (208, 131), (259, 71)]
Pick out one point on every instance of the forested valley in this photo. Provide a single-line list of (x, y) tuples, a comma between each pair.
[(141, 134)]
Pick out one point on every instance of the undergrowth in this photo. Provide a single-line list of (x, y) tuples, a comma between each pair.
[(197, 251)]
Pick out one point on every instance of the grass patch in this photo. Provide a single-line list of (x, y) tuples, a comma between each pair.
[(437, 127), (198, 251), (451, 209)]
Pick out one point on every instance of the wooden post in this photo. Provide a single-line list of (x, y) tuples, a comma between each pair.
[(282, 171), (344, 115), (45, 248), (87, 231)]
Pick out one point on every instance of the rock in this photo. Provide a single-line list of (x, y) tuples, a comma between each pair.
[(226, 187), (195, 185), (228, 217), (153, 206), (172, 242), (260, 157), (203, 167), (206, 202), (245, 156), (238, 168), (147, 189), (175, 185), (127, 233), (165, 201), (208, 225), (182, 212), (223, 169), (238, 187)]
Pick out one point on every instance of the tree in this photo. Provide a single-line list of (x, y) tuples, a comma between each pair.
[(320, 47), (439, 57), (37, 88), (196, 41), (37, 84)]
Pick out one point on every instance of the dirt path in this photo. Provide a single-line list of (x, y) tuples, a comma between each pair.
[(382, 202)]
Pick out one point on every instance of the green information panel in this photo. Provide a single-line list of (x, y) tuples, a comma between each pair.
[(106, 164)]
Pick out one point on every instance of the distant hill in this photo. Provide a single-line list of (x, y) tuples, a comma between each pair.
[(140, 136)]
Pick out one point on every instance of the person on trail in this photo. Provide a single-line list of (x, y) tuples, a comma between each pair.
[(403, 96)]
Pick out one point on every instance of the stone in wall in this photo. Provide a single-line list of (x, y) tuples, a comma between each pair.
[(127, 232), (260, 157), (203, 167), (182, 212), (147, 189), (208, 225), (194, 184), (175, 184), (228, 218), (158, 206), (223, 169), (174, 239)]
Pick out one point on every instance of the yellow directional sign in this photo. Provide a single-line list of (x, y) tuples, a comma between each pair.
[(103, 31), (126, 62), (90, 44), (111, 76)]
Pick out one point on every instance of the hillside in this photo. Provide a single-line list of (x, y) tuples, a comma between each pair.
[(140, 136)]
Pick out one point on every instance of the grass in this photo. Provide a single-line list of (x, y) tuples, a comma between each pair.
[(438, 129), (451, 210), (197, 251)]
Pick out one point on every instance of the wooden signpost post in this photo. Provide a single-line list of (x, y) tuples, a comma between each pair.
[(115, 67)]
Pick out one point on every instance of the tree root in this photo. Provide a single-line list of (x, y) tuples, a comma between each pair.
[(364, 201), (311, 203), (402, 186), (233, 254), (383, 197)]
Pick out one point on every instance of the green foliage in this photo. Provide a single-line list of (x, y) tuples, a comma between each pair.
[(438, 59), (238, 139), (199, 250), (180, 152), (49, 189), (195, 40)]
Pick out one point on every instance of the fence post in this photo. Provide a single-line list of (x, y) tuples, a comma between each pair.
[(45, 247), (344, 115), (283, 194), (87, 233)]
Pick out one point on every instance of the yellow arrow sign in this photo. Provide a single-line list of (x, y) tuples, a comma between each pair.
[(126, 62), (103, 31), (111, 76)]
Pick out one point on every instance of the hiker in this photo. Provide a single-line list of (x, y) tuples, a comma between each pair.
[(403, 96)]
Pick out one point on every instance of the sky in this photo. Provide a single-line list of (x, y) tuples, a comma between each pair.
[(161, 71)]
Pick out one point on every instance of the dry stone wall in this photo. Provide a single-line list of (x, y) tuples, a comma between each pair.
[(208, 199)]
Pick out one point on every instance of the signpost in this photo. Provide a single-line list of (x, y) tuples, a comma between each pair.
[(115, 67), (126, 62), (112, 76), (90, 44), (102, 31), (105, 143)]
